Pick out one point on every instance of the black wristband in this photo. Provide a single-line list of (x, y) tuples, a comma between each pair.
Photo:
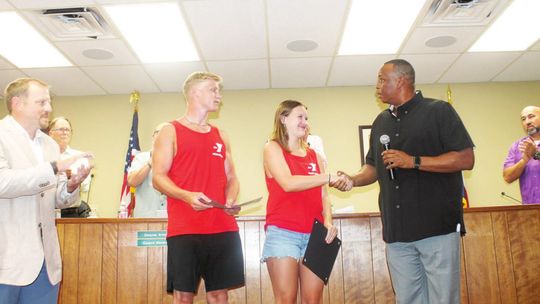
[(417, 162), (54, 167), (537, 155)]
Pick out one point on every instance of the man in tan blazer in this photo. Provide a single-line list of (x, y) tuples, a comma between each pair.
[(32, 183)]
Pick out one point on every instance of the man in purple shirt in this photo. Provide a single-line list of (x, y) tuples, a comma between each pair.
[(523, 160)]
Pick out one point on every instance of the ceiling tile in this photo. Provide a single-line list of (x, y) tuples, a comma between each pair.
[(4, 64), (464, 38), (478, 67), (170, 76), (429, 67), (228, 29), (74, 50), (66, 81), (122, 79), (239, 75), (290, 20), (525, 68), (8, 76), (356, 70), (536, 47), (299, 72), (39, 4), (4, 5)]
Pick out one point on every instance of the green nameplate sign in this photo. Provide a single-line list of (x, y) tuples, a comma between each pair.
[(151, 238)]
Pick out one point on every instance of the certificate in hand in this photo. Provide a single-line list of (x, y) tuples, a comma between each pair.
[(320, 256), (237, 206)]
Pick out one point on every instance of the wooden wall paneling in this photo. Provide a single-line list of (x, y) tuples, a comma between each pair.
[(267, 295), (155, 269), (384, 293), (252, 260), (60, 231), (70, 262), (463, 276), (238, 295), (507, 285), (480, 259), (90, 255), (334, 291), (167, 297), (524, 230), (357, 268), (132, 261), (109, 274)]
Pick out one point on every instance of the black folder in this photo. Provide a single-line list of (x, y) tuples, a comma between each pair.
[(320, 256)]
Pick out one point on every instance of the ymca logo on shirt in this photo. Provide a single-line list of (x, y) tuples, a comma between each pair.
[(312, 168), (218, 150)]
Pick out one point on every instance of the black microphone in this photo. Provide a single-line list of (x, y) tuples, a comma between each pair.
[(89, 188), (385, 141), (515, 199)]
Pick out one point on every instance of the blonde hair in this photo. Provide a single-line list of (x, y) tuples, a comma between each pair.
[(199, 77), (18, 88), (279, 134)]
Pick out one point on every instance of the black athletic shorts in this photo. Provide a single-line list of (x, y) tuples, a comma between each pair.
[(217, 258)]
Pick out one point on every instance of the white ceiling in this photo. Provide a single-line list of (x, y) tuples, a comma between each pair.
[(245, 41)]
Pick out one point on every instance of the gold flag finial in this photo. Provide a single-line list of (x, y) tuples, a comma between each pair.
[(449, 94), (134, 99)]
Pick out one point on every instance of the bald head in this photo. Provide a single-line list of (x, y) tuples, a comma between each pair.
[(530, 119)]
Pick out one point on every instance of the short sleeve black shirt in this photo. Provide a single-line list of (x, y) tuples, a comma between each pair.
[(419, 204)]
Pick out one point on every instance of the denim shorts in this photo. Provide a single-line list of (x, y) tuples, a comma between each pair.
[(281, 243)]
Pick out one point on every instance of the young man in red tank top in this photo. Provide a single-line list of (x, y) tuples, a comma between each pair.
[(192, 165)]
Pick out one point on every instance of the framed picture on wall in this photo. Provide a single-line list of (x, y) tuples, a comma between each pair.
[(364, 132)]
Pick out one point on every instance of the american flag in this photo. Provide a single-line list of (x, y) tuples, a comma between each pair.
[(127, 202)]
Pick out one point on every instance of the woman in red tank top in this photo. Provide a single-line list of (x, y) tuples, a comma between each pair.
[(296, 185)]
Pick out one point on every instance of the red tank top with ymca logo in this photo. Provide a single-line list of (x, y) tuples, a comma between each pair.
[(198, 166), (295, 210)]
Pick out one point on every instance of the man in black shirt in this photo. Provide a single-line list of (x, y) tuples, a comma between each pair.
[(421, 208)]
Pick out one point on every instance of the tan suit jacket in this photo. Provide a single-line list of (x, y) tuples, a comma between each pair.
[(29, 193)]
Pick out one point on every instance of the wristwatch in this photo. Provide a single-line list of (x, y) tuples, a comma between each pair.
[(537, 155), (417, 162)]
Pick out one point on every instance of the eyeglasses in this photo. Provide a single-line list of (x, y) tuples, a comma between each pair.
[(65, 130)]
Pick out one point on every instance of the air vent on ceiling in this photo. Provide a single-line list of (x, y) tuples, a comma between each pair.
[(461, 12), (74, 23)]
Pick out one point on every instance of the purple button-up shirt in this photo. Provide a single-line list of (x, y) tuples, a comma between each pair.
[(529, 181)]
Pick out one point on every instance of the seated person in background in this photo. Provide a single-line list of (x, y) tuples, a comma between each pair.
[(60, 130), (523, 160), (148, 201)]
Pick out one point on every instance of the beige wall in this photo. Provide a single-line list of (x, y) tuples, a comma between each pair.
[(490, 112)]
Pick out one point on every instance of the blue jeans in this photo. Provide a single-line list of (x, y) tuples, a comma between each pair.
[(426, 271), (38, 292), (281, 243)]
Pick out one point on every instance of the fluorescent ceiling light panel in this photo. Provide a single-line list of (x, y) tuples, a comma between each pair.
[(378, 26), (515, 30), (156, 31), (24, 47)]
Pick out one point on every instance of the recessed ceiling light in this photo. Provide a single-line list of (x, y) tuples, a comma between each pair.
[(302, 45), (366, 33), (156, 31), (23, 46), (98, 54), (440, 41), (515, 30)]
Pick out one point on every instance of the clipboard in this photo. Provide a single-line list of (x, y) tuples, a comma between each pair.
[(320, 256)]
